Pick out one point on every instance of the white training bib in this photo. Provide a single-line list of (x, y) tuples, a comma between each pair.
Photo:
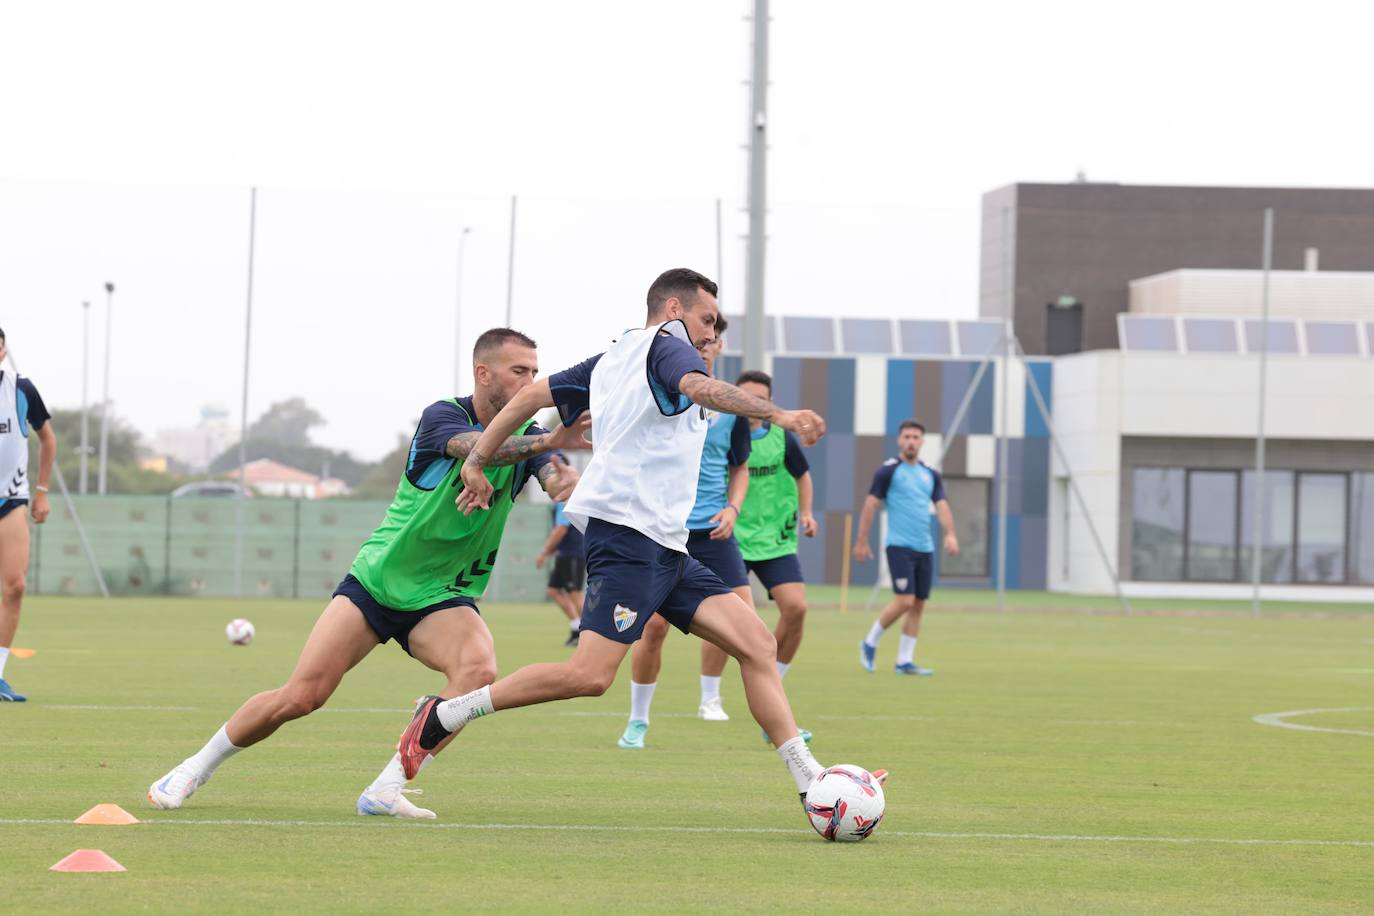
[(14, 439), (646, 446)]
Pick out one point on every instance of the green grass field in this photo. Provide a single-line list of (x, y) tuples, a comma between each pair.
[(1057, 762)]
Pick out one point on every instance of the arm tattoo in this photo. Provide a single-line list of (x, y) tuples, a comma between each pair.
[(722, 396), (513, 451), (544, 473)]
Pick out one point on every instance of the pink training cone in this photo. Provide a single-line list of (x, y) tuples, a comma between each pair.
[(112, 815), (88, 860)]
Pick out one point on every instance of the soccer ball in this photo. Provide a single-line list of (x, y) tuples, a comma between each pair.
[(239, 632), (845, 803)]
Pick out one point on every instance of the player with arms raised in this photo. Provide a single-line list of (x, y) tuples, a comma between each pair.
[(418, 577), (648, 395)]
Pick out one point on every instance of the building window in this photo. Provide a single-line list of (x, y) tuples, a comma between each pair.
[(1211, 526), (969, 499), (1157, 524), (1362, 528), (1321, 527), (1276, 543)]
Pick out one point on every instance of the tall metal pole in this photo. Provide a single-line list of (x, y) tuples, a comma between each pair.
[(105, 400), (510, 265), (458, 316), (243, 406), (85, 398), (1257, 538), (758, 193), (720, 258), (1003, 471)]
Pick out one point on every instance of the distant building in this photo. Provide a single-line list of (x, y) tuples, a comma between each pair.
[(266, 477), (195, 448)]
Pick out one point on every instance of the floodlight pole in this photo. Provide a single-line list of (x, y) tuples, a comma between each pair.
[(720, 258), (85, 398), (243, 404), (105, 400), (458, 316), (1257, 539), (510, 265), (1003, 443), (754, 335)]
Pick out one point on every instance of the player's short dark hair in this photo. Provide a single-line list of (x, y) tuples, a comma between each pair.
[(911, 424), (681, 283), (721, 325), (2, 334), (495, 338), (756, 376)]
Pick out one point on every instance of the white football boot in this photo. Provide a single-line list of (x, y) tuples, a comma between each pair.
[(712, 711), (391, 802), (170, 791)]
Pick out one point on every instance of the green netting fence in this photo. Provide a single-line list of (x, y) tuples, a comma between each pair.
[(292, 548)]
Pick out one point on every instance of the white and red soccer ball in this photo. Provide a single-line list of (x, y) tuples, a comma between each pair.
[(239, 632), (845, 803)]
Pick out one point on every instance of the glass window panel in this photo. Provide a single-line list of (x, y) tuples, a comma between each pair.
[(1362, 528), (1276, 554), (1157, 524), (927, 338), (1212, 526), (978, 338), (1283, 336), (1157, 334), (971, 496), (809, 335), (1369, 337), (1210, 335), (1334, 337), (866, 335), (1321, 527), (734, 334)]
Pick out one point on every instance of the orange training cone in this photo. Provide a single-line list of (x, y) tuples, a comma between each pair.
[(112, 815), (23, 653), (88, 860)]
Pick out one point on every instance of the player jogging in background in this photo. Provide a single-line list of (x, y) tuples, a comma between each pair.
[(909, 488), (417, 578), (564, 546), (779, 502), (648, 396), (721, 486), (21, 410)]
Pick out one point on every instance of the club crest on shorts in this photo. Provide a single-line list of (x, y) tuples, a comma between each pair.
[(901, 583), (624, 618)]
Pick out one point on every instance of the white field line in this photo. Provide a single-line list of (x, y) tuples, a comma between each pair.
[(629, 828), (1276, 719)]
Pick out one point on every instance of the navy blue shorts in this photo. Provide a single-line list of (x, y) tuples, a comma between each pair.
[(721, 557), (568, 573), (911, 571), (389, 623), (777, 571), (630, 578), (10, 505)]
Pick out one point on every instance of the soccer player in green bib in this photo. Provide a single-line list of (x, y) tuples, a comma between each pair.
[(417, 578), (777, 505)]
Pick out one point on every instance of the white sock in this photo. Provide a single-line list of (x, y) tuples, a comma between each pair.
[(392, 775), (799, 762), (782, 668), (875, 633), (906, 649), (4, 657), (575, 625), (459, 711), (641, 695), (710, 689), (217, 750)]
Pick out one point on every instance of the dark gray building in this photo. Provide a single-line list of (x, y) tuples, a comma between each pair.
[(1069, 251)]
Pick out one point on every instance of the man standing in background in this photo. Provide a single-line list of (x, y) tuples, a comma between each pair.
[(564, 545)]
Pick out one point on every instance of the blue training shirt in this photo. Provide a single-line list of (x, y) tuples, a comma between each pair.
[(572, 543), (727, 445), (910, 491)]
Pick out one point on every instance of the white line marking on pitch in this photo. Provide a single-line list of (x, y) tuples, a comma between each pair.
[(627, 828), (1276, 719)]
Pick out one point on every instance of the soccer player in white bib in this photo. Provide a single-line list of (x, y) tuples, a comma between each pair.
[(648, 396), (909, 487), (21, 411)]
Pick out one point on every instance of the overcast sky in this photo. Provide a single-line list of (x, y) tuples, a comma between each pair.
[(130, 133)]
